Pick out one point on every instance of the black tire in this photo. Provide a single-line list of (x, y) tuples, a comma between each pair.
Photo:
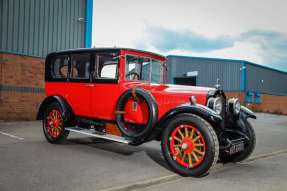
[(209, 136), (245, 127), (137, 137), (62, 134)]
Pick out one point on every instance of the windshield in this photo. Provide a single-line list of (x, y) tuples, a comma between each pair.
[(143, 68)]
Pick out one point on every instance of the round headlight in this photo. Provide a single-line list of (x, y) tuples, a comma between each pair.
[(217, 105), (234, 106), (237, 107)]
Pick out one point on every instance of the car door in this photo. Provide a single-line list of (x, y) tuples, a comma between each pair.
[(79, 90), (106, 91)]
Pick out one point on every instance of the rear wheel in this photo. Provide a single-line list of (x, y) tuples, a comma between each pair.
[(190, 145), (53, 124)]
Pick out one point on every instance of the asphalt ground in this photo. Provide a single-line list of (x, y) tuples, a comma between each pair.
[(29, 162)]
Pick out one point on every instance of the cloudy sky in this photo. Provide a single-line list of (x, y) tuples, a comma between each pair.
[(247, 29)]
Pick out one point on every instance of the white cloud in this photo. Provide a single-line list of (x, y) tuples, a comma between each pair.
[(242, 50), (123, 23)]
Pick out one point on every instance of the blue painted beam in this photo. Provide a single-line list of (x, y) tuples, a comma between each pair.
[(89, 23), (243, 76)]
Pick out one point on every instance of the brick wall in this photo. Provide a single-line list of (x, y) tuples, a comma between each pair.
[(21, 86), (269, 103), (22, 90)]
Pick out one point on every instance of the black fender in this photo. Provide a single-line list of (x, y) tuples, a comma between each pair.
[(206, 113), (247, 113), (68, 114)]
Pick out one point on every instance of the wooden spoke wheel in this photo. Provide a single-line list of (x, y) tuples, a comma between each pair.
[(53, 124), (187, 146), (190, 145)]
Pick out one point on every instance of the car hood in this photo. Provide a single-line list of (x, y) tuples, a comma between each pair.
[(175, 93)]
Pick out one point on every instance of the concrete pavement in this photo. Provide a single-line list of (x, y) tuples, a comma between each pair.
[(28, 162)]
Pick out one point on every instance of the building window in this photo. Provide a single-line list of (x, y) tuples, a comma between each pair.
[(249, 97), (257, 98)]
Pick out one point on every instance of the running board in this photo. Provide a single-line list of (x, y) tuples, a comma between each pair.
[(92, 133)]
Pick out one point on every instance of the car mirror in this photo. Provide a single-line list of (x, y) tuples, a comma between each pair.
[(165, 66)]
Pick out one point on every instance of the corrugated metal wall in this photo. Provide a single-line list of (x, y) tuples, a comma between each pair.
[(37, 27), (209, 70), (263, 80)]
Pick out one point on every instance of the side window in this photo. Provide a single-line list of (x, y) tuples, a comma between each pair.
[(146, 69), (80, 66), (133, 67), (156, 71), (106, 67), (59, 67)]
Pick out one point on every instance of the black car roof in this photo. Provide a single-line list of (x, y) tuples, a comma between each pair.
[(99, 49)]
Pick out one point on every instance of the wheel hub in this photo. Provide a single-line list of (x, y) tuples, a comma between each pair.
[(187, 145)]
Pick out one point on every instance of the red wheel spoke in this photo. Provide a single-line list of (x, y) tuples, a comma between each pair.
[(178, 139), (196, 138), (189, 160), (180, 133), (198, 151), (191, 134), (186, 131), (195, 157), (198, 145)]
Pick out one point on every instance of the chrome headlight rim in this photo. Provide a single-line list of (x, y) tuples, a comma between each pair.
[(216, 104), (234, 106)]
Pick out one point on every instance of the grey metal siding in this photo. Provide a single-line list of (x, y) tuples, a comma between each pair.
[(263, 80), (37, 27), (209, 70)]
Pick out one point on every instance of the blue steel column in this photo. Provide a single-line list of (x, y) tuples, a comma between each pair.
[(243, 78), (89, 22)]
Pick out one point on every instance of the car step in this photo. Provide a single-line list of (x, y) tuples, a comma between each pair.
[(92, 133)]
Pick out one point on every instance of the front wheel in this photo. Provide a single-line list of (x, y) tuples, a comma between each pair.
[(53, 124), (190, 145)]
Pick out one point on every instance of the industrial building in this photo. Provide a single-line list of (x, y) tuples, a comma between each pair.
[(29, 30), (259, 87)]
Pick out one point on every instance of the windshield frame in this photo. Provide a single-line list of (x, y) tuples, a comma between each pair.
[(160, 62)]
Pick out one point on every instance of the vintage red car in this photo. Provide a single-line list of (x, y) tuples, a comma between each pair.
[(119, 94)]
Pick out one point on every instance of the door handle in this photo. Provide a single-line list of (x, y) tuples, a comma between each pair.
[(90, 85)]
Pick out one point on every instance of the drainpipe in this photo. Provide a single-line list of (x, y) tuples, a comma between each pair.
[(89, 23), (243, 78)]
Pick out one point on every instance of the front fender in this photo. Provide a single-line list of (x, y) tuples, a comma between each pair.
[(197, 109), (247, 113)]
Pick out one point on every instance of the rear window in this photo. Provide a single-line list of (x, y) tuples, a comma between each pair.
[(59, 67)]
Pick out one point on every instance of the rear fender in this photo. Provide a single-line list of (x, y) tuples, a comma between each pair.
[(67, 110)]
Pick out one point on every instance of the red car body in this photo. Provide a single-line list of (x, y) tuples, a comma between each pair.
[(99, 100), (121, 95)]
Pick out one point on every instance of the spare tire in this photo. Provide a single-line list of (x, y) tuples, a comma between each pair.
[(137, 136)]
